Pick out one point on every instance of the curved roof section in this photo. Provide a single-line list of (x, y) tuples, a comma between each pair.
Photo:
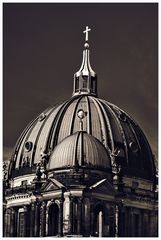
[(79, 149), (121, 136)]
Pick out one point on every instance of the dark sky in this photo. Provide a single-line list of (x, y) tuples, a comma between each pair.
[(42, 49)]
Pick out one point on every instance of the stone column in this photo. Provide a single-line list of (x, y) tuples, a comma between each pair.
[(25, 221), (153, 223), (67, 214), (43, 220), (12, 223), (131, 219), (140, 224), (32, 220), (60, 225), (145, 223), (92, 218), (71, 216), (116, 221), (37, 219)]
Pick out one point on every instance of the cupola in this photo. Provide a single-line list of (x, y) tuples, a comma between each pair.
[(80, 150), (85, 80)]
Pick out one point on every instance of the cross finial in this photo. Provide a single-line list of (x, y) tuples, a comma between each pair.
[(86, 32)]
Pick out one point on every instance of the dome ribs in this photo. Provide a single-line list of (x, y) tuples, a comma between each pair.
[(21, 151), (43, 138), (57, 125), (105, 125), (82, 105), (74, 114), (31, 137), (149, 166), (36, 145), (52, 138), (94, 120), (14, 156), (122, 133), (145, 155), (134, 156), (89, 127), (75, 156), (104, 121)]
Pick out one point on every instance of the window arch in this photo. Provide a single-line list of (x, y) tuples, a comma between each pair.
[(98, 221), (7, 222), (21, 223), (53, 220)]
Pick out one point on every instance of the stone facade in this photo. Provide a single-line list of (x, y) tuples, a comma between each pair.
[(48, 208)]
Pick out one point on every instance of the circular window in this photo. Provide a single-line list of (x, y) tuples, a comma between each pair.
[(122, 117), (28, 146), (133, 146)]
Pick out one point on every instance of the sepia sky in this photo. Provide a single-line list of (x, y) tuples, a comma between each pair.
[(42, 49)]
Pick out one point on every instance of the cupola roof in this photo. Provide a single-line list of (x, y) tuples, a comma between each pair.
[(79, 150), (85, 80)]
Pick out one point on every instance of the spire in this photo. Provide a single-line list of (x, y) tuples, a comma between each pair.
[(85, 80)]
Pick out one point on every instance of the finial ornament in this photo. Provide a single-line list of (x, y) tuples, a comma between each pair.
[(81, 114), (86, 32)]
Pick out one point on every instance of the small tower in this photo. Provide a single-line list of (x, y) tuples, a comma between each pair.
[(85, 80)]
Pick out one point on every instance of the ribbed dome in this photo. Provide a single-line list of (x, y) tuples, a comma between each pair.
[(79, 149), (121, 136)]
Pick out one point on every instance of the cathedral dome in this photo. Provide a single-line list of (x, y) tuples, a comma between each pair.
[(79, 150), (123, 139)]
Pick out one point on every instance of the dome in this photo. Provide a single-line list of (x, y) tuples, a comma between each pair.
[(121, 136), (123, 139), (79, 150)]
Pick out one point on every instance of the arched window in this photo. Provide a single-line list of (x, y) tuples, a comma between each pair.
[(7, 223), (98, 221), (53, 220), (21, 223)]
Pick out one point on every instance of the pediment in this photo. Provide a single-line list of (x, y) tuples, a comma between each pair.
[(103, 186), (52, 185)]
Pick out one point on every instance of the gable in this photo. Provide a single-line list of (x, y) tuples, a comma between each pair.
[(52, 185), (103, 187)]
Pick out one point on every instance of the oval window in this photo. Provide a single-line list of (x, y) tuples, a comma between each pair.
[(28, 146)]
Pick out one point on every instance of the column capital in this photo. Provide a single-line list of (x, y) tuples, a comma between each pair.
[(25, 208)]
